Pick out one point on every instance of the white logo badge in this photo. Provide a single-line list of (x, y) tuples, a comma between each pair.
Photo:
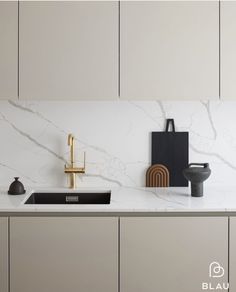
[(216, 270)]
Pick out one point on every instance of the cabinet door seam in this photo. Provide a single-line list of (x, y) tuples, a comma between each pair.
[(119, 48), (118, 254), (18, 49), (8, 252), (228, 251), (219, 49)]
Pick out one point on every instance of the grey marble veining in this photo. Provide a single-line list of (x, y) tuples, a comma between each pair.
[(116, 137)]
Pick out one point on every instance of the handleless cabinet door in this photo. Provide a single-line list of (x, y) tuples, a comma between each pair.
[(3, 254), (64, 254), (172, 254), (68, 49), (232, 254), (228, 49), (8, 49), (169, 49)]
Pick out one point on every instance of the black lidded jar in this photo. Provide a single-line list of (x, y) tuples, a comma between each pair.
[(16, 188)]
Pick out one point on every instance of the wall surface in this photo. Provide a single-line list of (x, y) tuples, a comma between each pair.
[(116, 137)]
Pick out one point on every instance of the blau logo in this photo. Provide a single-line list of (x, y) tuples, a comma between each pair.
[(216, 270)]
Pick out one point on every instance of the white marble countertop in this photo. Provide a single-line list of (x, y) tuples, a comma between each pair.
[(125, 200)]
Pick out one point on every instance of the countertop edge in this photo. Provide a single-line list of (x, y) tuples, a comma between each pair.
[(119, 214)]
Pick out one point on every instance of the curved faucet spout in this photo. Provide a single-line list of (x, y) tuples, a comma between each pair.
[(70, 139), (71, 169), (71, 144)]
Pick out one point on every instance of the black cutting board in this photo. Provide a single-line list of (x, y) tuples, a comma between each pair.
[(172, 150)]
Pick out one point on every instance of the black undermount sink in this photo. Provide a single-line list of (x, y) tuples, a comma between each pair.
[(79, 197)]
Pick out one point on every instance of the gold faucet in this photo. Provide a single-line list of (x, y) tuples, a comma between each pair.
[(71, 169)]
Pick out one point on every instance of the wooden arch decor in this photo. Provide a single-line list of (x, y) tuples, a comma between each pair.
[(157, 176)]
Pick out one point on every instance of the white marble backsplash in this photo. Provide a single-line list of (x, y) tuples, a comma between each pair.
[(116, 137)]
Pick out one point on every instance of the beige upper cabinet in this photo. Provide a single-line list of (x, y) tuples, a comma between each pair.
[(4, 254), (8, 49), (228, 49), (64, 254), (68, 50), (172, 254), (169, 50)]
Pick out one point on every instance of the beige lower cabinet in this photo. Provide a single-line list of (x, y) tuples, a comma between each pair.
[(181, 254), (50, 254), (3, 254), (232, 254)]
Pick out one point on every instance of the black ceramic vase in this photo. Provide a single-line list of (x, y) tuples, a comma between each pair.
[(197, 173)]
